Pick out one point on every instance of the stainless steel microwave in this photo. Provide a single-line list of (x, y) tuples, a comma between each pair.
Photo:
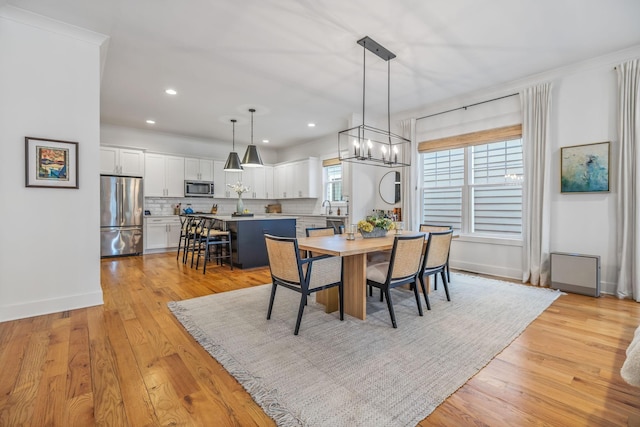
[(198, 188)]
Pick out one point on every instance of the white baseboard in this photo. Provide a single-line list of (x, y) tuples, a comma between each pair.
[(54, 305), (509, 273)]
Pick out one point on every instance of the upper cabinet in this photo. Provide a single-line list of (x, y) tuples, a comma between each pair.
[(259, 181), (298, 179), (198, 169), (121, 161), (222, 178), (164, 176)]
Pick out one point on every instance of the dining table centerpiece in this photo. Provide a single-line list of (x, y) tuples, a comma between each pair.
[(239, 188), (375, 226)]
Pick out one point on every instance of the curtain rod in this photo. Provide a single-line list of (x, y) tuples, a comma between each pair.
[(466, 106)]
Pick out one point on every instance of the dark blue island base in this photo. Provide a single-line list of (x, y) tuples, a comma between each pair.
[(247, 238)]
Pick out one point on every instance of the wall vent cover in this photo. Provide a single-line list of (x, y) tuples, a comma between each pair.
[(575, 273)]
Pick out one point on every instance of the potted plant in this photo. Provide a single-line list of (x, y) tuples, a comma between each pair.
[(375, 226)]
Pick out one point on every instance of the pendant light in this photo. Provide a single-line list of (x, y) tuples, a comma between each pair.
[(251, 156), (233, 161)]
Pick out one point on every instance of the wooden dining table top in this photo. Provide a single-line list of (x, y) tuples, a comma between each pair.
[(338, 245)]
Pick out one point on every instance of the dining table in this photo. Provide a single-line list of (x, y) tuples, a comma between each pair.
[(354, 255)]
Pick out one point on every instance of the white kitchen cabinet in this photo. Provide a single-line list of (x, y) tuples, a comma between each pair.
[(161, 233), (297, 179), (304, 222), (268, 183), (121, 161), (198, 169), (305, 178), (164, 176), (283, 180), (260, 180), (222, 178)]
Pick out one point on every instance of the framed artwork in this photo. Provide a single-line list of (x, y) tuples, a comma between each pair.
[(51, 163), (584, 168)]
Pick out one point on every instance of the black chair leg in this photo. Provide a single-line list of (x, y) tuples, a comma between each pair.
[(415, 292), (390, 306), (446, 286), (435, 282), (448, 272), (303, 301), (424, 291), (273, 296)]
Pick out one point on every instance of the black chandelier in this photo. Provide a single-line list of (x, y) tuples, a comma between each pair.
[(369, 145)]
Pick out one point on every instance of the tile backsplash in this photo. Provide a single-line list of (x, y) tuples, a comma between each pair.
[(160, 206)]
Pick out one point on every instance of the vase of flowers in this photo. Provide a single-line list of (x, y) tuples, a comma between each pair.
[(239, 189), (375, 226)]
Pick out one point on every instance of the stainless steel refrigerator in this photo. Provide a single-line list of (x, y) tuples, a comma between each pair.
[(121, 207)]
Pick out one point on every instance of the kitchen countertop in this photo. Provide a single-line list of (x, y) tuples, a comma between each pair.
[(255, 217)]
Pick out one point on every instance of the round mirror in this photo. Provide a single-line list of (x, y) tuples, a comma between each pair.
[(390, 187)]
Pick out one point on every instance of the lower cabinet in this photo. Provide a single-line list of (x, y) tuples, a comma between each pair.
[(247, 239), (305, 222), (161, 233)]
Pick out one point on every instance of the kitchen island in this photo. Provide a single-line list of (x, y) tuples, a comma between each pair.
[(247, 236)]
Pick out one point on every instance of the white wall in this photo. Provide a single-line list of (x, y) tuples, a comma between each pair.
[(50, 248), (159, 142), (583, 111)]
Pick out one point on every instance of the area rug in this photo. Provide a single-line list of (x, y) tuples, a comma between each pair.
[(354, 372)]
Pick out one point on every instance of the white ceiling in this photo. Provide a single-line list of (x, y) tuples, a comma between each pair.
[(298, 61)]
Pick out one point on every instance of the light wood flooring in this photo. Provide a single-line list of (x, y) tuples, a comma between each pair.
[(130, 363)]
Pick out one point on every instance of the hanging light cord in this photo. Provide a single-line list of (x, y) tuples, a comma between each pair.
[(389, 103), (233, 140), (364, 76)]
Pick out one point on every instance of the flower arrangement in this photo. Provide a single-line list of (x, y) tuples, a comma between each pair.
[(239, 188), (369, 223)]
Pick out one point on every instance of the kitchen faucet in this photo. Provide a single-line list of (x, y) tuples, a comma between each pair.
[(323, 204)]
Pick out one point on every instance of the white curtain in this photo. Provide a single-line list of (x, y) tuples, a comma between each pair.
[(410, 197), (536, 210), (628, 214)]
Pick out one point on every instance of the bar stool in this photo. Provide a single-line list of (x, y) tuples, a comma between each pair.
[(193, 238), (214, 243), (185, 223)]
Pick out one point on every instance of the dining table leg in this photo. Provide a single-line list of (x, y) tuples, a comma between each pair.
[(355, 296)]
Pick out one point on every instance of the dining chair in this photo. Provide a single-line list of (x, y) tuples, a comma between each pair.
[(320, 231), (214, 243), (184, 230), (435, 260), (432, 227), (303, 275), (401, 269)]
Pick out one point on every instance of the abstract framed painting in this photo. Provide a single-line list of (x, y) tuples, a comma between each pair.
[(585, 168), (51, 163)]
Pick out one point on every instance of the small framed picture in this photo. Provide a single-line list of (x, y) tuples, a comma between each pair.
[(584, 168), (51, 163)]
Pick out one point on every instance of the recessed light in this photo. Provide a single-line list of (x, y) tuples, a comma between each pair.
[(151, 122), (311, 125), (171, 92), (266, 141)]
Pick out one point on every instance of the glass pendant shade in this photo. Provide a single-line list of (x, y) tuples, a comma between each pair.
[(233, 161), (252, 157)]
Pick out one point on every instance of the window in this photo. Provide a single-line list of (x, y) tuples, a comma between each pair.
[(333, 182), (476, 188)]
